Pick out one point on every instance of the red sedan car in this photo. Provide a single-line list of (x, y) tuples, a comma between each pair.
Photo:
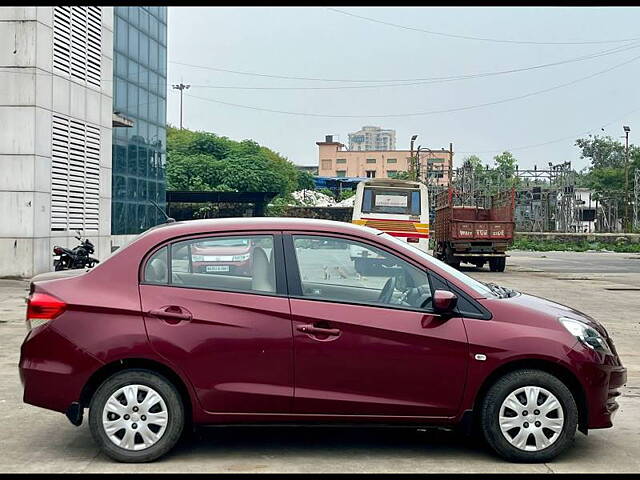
[(149, 345)]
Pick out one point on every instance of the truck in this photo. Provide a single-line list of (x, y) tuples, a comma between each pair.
[(474, 228)]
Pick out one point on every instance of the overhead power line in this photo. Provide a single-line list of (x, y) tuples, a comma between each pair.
[(482, 39), (563, 139), (394, 82), (425, 113)]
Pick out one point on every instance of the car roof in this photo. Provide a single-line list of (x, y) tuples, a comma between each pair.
[(190, 227)]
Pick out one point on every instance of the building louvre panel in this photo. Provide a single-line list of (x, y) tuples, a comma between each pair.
[(75, 175), (77, 43)]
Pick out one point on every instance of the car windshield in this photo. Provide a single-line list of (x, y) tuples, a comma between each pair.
[(478, 287)]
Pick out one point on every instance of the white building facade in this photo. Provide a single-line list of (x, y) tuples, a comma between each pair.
[(56, 83), (372, 138)]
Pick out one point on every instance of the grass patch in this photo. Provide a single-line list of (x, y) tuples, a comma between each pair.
[(583, 246)]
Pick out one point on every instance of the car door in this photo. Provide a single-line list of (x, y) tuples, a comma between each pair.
[(369, 345), (216, 307)]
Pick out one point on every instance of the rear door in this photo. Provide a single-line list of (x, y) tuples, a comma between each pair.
[(369, 344), (216, 307)]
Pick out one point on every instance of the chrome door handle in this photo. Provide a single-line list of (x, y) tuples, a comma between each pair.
[(165, 313), (313, 330)]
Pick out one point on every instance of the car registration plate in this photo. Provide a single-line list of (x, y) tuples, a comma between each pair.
[(217, 268)]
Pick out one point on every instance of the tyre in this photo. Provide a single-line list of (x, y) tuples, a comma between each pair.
[(136, 416), (529, 416), (450, 259), (497, 264)]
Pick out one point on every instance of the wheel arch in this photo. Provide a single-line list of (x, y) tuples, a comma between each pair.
[(556, 369), (106, 371)]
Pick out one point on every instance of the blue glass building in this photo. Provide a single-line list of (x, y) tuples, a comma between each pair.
[(139, 94)]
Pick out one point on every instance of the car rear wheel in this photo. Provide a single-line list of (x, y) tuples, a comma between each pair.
[(136, 416), (529, 416)]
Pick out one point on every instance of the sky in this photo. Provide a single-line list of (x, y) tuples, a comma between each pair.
[(536, 114)]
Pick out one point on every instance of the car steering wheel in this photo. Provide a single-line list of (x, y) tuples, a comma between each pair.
[(387, 291)]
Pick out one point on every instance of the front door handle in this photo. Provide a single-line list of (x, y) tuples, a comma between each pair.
[(313, 330), (176, 314)]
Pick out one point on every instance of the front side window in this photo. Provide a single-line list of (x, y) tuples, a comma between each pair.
[(238, 263), (349, 271), (479, 288)]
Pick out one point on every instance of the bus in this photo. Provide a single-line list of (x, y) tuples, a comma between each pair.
[(397, 207)]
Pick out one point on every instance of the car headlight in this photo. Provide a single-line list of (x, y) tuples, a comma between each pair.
[(197, 258), (586, 334), (241, 258)]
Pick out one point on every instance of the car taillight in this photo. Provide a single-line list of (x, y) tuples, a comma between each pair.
[(413, 240), (42, 308), (57, 250)]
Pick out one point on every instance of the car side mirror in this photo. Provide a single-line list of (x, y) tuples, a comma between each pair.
[(444, 302)]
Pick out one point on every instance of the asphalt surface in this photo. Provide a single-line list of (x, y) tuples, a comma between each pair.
[(604, 285)]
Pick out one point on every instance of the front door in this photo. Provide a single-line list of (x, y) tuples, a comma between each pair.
[(369, 344), (215, 307)]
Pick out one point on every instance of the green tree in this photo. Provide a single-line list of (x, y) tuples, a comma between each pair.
[(401, 175), (305, 181), (606, 156), (207, 162), (505, 169)]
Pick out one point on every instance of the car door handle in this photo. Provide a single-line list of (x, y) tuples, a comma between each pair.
[(166, 313), (313, 330)]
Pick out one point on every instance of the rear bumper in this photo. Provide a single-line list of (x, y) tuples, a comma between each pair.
[(53, 371)]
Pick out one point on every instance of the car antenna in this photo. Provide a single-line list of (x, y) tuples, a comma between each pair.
[(169, 219)]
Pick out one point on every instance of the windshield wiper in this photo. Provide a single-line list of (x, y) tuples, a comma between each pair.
[(502, 292)]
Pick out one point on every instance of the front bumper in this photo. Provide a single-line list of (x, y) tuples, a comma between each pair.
[(602, 377)]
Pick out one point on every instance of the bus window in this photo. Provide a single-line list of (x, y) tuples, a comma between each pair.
[(404, 202), (415, 203)]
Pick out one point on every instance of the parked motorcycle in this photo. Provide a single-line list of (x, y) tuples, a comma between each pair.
[(78, 257)]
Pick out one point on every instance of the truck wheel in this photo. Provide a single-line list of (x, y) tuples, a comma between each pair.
[(450, 259), (136, 416), (497, 264), (529, 416)]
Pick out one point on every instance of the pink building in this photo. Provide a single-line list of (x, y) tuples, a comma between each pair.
[(335, 161)]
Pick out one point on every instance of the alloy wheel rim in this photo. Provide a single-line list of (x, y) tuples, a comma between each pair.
[(531, 418), (135, 417)]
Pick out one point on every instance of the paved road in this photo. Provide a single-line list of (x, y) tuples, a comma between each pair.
[(36, 440)]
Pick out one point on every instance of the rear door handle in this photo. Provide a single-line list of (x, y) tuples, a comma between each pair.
[(313, 330), (166, 313)]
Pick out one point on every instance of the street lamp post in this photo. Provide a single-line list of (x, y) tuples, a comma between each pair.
[(412, 166), (626, 179), (181, 86)]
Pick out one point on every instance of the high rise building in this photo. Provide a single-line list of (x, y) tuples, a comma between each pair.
[(64, 143), (372, 138), (56, 84), (140, 91)]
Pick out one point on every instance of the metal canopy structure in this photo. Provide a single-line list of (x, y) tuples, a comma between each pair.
[(258, 199)]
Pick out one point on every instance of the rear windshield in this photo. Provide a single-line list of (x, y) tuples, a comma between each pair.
[(388, 200)]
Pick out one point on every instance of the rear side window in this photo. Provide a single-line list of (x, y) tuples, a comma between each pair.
[(237, 263), (157, 269)]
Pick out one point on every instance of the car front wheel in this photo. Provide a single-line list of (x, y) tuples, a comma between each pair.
[(529, 416), (136, 416)]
